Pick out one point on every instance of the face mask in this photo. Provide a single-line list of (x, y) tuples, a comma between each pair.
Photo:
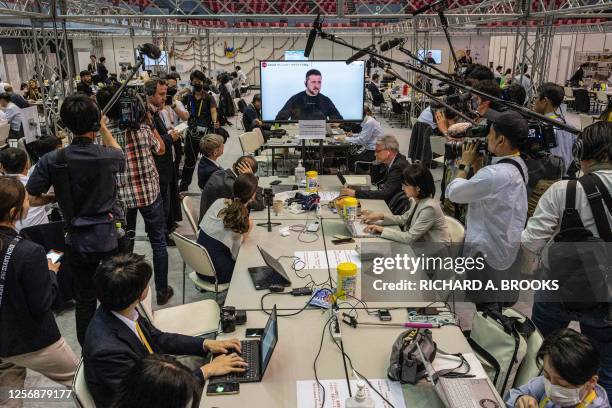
[(565, 397), (197, 87)]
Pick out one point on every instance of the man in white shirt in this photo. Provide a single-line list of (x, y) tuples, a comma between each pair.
[(547, 103), (241, 76), (364, 141), (525, 81), (14, 163), (497, 201), (13, 114), (594, 153)]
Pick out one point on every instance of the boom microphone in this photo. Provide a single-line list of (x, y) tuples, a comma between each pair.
[(150, 50), (358, 55), (312, 36), (387, 45)]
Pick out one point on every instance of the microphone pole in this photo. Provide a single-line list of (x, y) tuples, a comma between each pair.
[(119, 91), (430, 95), (521, 109), (444, 23)]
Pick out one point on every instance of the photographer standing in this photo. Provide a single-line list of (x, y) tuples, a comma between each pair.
[(594, 153), (547, 103), (139, 186), (496, 196), (83, 176), (201, 112)]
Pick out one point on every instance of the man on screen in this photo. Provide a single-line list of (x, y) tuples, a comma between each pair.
[(310, 104), (430, 59)]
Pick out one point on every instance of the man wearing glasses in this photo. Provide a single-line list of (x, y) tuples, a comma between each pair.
[(387, 154)]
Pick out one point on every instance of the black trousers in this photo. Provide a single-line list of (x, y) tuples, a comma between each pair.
[(192, 151), (84, 266)]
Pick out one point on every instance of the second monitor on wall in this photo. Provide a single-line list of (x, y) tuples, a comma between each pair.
[(311, 90)]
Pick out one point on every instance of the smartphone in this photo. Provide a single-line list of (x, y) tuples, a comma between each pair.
[(54, 256), (223, 388), (313, 227), (343, 241), (384, 315), (250, 333)]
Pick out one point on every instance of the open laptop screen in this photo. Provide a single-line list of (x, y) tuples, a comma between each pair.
[(268, 340), (274, 264)]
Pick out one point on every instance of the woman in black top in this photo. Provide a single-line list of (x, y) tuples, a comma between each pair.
[(29, 336)]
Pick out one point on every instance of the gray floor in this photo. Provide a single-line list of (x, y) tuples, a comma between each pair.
[(65, 319)]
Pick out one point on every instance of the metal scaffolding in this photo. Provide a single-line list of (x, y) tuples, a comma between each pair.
[(420, 41)]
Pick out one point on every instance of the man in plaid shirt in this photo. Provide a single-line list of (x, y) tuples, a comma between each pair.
[(139, 188)]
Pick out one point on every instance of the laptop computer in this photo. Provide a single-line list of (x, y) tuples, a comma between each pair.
[(356, 230), (460, 392), (344, 181), (257, 353), (273, 274)]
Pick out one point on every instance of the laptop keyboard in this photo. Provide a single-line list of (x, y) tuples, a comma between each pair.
[(250, 354), (459, 393)]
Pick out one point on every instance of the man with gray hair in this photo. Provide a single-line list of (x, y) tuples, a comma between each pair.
[(387, 154), (211, 147)]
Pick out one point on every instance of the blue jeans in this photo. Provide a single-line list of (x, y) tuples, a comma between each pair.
[(155, 225), (549, 317)]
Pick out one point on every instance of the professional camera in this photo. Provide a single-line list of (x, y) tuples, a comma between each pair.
[(478, 134), (132, 109), (540, 140)]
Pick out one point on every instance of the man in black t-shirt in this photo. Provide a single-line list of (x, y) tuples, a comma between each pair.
[(92, 177), (201, 114), (310, 104)]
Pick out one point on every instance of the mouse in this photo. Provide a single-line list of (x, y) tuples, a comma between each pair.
[(276, 288)]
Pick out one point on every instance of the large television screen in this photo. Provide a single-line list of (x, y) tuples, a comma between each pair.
[(431, 56), (295, 55), (310, 90)]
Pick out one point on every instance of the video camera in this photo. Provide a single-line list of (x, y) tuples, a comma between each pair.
[(132, 110), (477, 134)]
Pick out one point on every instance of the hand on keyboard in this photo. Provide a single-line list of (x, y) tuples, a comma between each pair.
[(221, 346), (224, 364)]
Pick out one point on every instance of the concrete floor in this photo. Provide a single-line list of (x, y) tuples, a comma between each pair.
[(65, 319)]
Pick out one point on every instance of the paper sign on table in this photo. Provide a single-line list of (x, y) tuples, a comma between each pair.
[(311, 129), (309, 393), (328, 195), (317, 259)]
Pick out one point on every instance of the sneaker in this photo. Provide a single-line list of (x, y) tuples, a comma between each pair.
[(163, 296)]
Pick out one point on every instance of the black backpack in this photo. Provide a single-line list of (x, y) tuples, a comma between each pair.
[(579, 260)]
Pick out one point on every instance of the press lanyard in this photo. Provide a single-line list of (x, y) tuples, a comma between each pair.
[(200, 108), (5, 264), (587, 401), (143, 338)]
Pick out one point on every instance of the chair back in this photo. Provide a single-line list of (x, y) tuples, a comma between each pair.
[(194, 255), (260, 136), (188, 210), (569, 93), (5, 128), (248, 142), (602, 97), (585, 120), (457, 233), (80, 393)]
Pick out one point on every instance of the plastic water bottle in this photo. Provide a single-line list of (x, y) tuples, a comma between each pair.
[(300, 174), (359, 400), (120, 230)]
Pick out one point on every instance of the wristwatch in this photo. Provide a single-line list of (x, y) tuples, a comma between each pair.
[(464, 167)]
